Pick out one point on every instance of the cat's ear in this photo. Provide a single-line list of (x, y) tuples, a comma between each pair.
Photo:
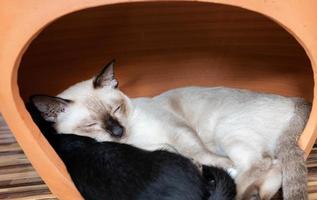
[(106, 77), (49, 107)]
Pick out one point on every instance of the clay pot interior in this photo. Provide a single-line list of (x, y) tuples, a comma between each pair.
[(158, 46), (164, 45)]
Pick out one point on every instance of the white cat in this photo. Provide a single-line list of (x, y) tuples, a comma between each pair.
[(254, 132)]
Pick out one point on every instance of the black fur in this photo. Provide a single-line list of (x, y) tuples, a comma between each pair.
[(107, 170)]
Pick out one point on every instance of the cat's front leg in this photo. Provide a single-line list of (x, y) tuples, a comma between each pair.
[(208, 158), (191, 146)]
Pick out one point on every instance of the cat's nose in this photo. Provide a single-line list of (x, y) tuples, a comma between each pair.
[(114, 127), (117, 131)]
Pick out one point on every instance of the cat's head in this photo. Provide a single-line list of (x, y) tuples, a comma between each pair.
[(95, 108)]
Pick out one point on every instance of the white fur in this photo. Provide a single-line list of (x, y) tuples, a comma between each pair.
[(206, 124)]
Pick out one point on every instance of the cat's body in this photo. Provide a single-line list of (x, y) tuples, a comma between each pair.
[(114, 171), (221, 115), (219, 126), (257, 131), (117, 171), (239, 124), (216, 115)]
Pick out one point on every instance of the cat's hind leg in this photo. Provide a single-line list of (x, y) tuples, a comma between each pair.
[(249, 182), (271, 182), (251, 165), (266, 185)]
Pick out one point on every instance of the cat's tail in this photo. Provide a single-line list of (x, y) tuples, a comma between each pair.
[(219, 183), (292, 159)]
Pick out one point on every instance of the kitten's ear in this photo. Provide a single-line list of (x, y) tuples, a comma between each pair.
[(106, 77), (49, 106)]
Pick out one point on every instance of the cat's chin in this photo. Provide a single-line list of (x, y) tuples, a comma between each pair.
[(102, 138), (106, 138)]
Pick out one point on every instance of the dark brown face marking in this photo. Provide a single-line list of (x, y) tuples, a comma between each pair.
[(104, 114), (114, 127)]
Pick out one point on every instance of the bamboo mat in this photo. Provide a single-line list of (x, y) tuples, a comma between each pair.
[(18, 180)]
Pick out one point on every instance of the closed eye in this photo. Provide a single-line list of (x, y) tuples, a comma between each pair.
[(117, 109), (91, 124)]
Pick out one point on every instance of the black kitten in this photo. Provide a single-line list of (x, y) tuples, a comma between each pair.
[(108, 170)]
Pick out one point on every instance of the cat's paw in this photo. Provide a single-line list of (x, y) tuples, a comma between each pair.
[(232, 172), (198, 165), (224, 163), (215, 160)]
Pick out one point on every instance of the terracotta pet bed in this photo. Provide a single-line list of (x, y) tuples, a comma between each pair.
[(45, 46)]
